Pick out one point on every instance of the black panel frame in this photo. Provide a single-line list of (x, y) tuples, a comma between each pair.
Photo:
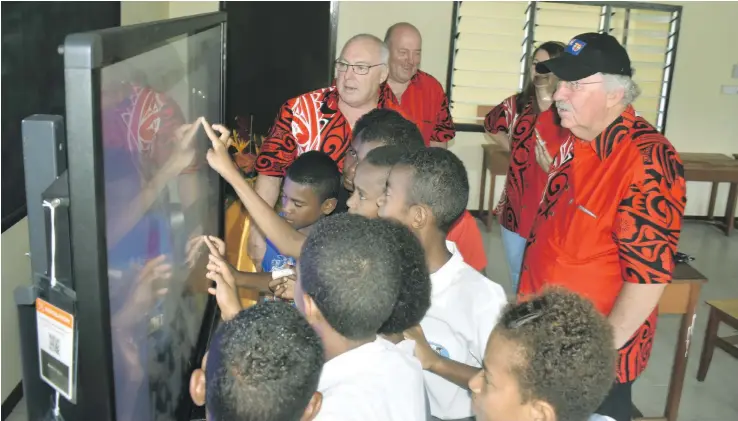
[(85, 55)]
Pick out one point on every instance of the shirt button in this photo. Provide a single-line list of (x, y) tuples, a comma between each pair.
[(571, 201), (551, 213)]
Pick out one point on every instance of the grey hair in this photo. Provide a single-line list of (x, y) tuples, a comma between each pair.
[(383, 49), (631, 90)]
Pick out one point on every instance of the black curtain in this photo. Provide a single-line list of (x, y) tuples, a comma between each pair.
[(33, 76), (276, 51)]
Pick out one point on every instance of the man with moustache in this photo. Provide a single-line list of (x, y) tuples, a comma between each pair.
[(609, 221), (321, 120), (418, 95)]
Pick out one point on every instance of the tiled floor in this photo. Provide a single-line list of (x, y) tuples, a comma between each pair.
[(714, 400)]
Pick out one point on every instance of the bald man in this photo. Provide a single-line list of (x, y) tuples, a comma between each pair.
[(321, 120), (416, 94)]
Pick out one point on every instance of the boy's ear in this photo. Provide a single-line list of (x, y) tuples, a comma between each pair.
[(312, 312), (541, 410), (328, 206), (313, 407), (197, 387), (420, 216)]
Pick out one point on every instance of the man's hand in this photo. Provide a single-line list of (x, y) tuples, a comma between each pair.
[(542, 156), (218, 157), (225, 291), (284, 287), (423, 351)]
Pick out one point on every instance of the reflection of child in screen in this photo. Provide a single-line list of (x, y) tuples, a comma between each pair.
[(310, 192), (146, 145)]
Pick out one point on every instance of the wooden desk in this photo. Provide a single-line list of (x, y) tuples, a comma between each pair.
[(680, 297), (721, 311), (715, 168), (495, 160)]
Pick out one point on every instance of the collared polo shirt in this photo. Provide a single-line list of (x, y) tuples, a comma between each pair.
[(464, 309), (376, 381), (525, 178), (611, 213), (309, 122), (425, 103)]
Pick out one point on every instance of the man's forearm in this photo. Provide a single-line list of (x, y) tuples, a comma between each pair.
[(632, 307), (454, 371), (287, 239)]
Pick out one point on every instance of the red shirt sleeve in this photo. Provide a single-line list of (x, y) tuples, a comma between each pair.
[(279, 148), (468, 239), (649, 219), (499, 119), (444, 129)]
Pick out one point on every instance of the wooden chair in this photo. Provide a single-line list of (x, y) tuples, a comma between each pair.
[(725, 311), (715, 169), (679, 298)]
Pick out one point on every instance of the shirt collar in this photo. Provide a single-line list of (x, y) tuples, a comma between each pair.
[(329, 99), (345, 365), (444, 276), (385, 91), (606, 142)]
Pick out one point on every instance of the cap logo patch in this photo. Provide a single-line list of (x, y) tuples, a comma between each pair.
[(575, 47)]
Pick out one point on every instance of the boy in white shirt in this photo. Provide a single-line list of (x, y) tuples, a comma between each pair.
[(427, 191), (551, 358), (348, 280)]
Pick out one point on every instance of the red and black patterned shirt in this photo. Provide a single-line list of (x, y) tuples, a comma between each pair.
[(425, 104), (309, 122), (525, 179), (611, 213)]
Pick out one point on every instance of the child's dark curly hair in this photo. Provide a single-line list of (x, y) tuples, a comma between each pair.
[(566, 352)]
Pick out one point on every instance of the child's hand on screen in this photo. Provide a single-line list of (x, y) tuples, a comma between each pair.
[(184, 154), (225, 290), (216, 245), (218, 157)]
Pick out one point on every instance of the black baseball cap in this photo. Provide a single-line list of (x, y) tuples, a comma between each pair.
[(587, 54)]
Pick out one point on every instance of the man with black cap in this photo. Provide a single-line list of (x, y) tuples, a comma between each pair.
[(608, 224)]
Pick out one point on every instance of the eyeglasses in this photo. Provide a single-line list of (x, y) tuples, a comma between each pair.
[(359, 69), (575, 85)]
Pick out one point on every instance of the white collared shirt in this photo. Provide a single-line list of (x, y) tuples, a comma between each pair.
[(465, 306), (376, 381)]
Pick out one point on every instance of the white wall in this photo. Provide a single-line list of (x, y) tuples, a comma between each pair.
[(15, 270), (700, 118)]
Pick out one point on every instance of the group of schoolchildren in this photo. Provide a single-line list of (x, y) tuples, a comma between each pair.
[(382, 319)]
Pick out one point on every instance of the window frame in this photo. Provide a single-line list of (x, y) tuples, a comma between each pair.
[(670, 52)]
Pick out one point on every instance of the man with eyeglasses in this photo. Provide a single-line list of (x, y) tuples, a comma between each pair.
[(322, 119), (609, 221), (417, 94)]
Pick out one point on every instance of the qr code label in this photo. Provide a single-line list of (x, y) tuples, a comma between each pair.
[(55, 344)]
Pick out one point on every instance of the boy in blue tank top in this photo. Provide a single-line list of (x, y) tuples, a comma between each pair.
[(309, 193)]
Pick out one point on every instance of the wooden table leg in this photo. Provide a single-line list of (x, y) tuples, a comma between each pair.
[(730, 208), (483, 183), (708, 346), (491, 203), (713, 197), (679, 370)]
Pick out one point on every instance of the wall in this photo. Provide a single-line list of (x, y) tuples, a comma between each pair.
[(15, 270), (700, 119)]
